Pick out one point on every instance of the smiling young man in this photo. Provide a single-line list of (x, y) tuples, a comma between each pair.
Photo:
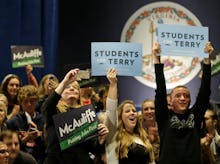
[(179, 128)]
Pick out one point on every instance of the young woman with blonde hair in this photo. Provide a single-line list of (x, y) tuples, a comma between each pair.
[(127, 141)]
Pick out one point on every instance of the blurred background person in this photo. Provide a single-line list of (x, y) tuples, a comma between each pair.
[(47, 85), (29, 123), (3, 116), (9, 87), (210, 133), (16, 156), (102, 94), (150, 125), (4, 153), (4, 99)]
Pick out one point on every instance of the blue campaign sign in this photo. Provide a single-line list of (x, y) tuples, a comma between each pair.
[(125, 57), (182, 40)]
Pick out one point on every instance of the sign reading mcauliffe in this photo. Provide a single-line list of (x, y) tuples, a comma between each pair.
[(75, 126), (125, 57), (182, 40), (24, 55)]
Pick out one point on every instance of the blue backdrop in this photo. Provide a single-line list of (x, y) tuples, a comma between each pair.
[(28, 22)]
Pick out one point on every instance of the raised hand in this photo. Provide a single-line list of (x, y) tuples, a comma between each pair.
[(103, 131), (208, 49), (156, 50), (112, 78), (68, 79), (70, 76), (111, 75)]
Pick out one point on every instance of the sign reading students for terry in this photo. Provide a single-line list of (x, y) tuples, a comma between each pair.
[(125, 57), (24, 55), (75, 126), (180, 40)]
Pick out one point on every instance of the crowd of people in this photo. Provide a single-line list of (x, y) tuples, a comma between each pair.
[(167, 130)]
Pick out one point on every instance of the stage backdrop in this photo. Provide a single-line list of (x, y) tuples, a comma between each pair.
[(105, 21), (29, 22)]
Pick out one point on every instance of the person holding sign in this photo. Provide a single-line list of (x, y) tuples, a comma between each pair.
[(127, 141), (67, 96), (179, 128)]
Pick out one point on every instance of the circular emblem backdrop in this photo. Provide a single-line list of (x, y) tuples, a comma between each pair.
[(141, 27)]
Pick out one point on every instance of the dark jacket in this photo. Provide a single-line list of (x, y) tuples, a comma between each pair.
[(180, 133), (75, 154)]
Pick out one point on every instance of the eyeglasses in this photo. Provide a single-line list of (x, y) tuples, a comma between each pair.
[(3, 151)]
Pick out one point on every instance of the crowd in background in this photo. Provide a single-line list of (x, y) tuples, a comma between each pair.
[(27, 133)]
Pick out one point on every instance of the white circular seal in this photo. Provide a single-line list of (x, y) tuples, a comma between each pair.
[(141, 27)]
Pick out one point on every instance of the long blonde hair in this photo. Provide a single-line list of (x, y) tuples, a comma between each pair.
[(41, 89), (124, 139)]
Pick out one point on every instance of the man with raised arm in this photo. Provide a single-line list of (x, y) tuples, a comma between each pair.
[(179, 128)]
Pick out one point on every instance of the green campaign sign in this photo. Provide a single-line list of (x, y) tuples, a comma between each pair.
[(216, 65), (76, 126), (24, 55)]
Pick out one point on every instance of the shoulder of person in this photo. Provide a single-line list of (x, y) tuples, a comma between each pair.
[(26, 158)]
